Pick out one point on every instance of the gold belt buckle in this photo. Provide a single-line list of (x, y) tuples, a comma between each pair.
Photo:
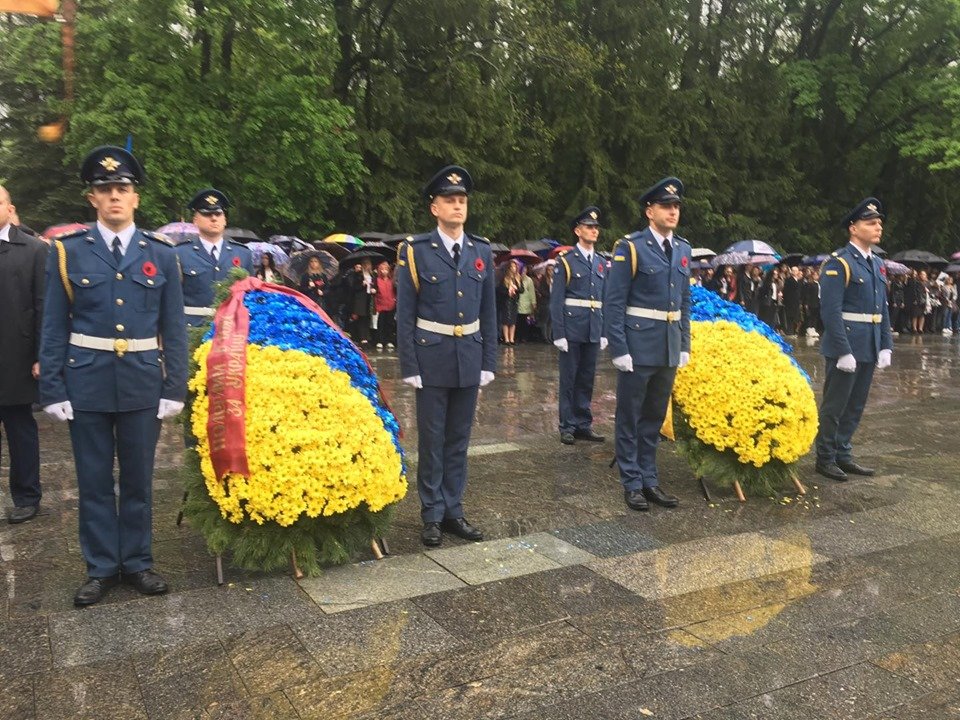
[(120, 346), (877, 318), (672, 316), (458, 330)]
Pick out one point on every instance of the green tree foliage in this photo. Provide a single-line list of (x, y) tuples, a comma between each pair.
[(323, 114)]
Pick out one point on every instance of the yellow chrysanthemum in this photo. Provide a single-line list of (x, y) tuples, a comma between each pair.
[(740, 392), (315, 445)]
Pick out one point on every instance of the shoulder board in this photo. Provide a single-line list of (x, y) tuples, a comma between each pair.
[(478, 238), (157, 237), (422, 237), (73, 234), (634, 235), (683, 240)]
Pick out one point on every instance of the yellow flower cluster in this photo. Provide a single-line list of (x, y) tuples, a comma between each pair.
[(741, 392), (315, 445)]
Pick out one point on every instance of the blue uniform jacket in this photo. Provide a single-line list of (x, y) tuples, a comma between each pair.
[(865, 293), (200, 272), (449, 295), (658, 284), (582, 281), (137, 299)]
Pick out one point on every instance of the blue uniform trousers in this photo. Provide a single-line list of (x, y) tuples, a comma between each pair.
[(444, 420), (844, 397), (642, 397), (113, 541), (23, 444), (578, 367)]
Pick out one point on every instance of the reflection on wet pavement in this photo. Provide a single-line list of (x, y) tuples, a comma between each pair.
[(843, 605)]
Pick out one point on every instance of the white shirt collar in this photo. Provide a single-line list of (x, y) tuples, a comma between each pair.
[(660, 238), (208, 246), (449, 241), (5, 233), (866, 254), (587, 254), (125, 236)]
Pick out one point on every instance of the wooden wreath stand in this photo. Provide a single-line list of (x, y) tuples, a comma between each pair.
[(801, 490)]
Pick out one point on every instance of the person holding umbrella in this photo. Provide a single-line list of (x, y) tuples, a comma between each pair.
[(447, 341), (856, 338), (646, 317), (209, 258), (313, 281), (576, 311)]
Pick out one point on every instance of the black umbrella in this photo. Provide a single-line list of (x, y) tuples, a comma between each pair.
[(241, 234), (389, 253), (878, 250), (535, 246), (336, 249), (919, 257), (793, 259), (396, 239), (370, 235), (363, 254), (952, 268), (299, 262), (499, 248), (290, 243)]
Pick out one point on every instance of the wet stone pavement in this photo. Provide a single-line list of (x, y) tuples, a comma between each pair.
[(843, 604)]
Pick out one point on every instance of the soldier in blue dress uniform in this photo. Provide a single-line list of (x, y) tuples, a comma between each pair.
[(576, 311), (209, 258), (447, 340), (646, 316), (856, 337), (113, 362)]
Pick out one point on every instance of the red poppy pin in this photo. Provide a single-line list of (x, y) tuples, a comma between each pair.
[(236, 262), (600, 268), (479, 265), (684, 262), (149, 269), (883, 269)]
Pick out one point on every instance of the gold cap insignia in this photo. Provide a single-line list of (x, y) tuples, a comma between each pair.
[(454, 179), (593, 214), (672, 189), (871, 207), (211, 199), (109, 164)]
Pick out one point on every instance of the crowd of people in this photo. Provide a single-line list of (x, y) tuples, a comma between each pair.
[(787, 298)]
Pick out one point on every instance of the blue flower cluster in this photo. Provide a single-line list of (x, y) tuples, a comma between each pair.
[(280, 321), (706, 306)]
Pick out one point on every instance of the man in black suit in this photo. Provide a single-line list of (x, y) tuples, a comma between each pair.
[(22, 262)]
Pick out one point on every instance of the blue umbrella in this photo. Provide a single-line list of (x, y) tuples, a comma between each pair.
[(815, 259)]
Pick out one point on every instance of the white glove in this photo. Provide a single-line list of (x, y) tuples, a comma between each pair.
[(168, 408), (847, 364), (562, 344), (624, 363), (60, 411), (486, 377), (883, 359), (684, 359), (603, 343), (414, 381)]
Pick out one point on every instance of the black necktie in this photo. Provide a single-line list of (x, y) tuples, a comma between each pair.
[(213, 254), (117, 251), (456, 254), (668, 250)]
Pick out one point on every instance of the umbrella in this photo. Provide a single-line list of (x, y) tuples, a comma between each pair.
[(793, 259), (742, 258), (397, 239), (336, 249), (179, 232), (895, 268), (343, 239), (560, 250), (536, 246), (369, 236), (701, 264), (353, 258), (702, 252), (525, 256), (389, 253), (280, 257), (952, 268), (955, 256), (498, 248), (815, 259), (53, 231), (919, 257), (300, 260), (752, 247), (878, 250), (290, 243), (241, 234)]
